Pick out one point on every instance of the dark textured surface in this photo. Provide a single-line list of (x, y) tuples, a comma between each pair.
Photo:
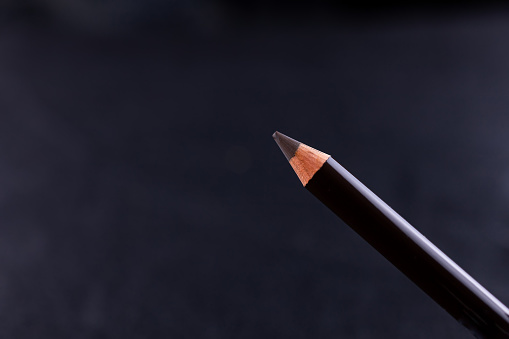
[(142, 195)]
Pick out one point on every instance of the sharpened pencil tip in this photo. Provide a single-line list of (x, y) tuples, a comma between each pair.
[(287, 145)]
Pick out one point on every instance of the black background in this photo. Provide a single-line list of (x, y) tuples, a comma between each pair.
[(142, 195)]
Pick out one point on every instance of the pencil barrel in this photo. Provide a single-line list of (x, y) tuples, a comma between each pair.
[(414, 255)]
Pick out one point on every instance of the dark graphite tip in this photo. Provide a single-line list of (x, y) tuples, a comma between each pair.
[(288, 145)]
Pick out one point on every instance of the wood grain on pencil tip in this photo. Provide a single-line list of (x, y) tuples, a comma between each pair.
[(305, 160)]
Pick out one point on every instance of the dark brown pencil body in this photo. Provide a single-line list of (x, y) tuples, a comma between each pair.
[(409, 251), (414, 255)]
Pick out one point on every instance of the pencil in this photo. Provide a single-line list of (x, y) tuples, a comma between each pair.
[(391, 235)]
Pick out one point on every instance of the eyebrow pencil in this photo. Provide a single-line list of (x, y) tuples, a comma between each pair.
[(391, 235)]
